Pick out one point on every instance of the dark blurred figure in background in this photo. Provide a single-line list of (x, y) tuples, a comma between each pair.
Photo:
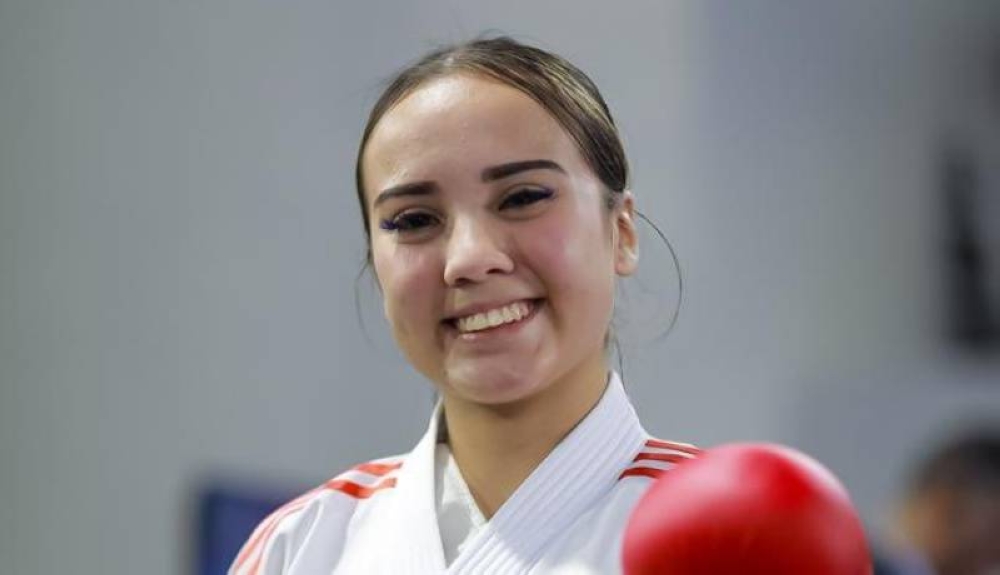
[(949, 519)]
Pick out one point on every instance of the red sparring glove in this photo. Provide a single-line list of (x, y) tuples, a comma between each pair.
[(747, 509)]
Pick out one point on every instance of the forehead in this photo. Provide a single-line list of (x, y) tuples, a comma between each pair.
[(459, 124)]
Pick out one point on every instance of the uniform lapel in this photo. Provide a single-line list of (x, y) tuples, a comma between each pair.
[(417, 547), (582, 468)]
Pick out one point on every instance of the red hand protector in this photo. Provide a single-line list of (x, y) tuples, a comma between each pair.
[(746, 509)]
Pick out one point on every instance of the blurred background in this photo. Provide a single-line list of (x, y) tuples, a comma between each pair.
[(182, 337)]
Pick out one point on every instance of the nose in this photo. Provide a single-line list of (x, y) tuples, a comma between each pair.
[(475, 250)]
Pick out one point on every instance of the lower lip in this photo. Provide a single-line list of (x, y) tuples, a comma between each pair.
[(500, 330)]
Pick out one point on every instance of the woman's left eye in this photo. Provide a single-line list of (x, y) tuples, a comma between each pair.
[(526, 197)]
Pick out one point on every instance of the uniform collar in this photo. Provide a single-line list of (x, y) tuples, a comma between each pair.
[(581, 469)]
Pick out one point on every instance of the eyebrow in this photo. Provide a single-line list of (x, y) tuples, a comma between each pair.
[(425, 188), (499, 172), (509, 169)]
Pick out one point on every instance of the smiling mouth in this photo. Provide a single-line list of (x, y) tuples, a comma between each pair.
[(491, 319)]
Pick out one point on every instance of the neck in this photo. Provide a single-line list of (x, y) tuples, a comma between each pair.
[(498, 446)]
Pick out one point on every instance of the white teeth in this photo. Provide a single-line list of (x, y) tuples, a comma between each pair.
[(494, 317)]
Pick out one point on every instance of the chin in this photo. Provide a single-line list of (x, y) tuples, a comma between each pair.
[(493, 386)]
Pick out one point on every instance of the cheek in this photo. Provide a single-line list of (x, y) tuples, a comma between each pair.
[(574, 261), (409, 280)]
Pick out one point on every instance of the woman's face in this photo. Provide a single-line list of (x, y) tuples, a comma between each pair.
[(491, 240)]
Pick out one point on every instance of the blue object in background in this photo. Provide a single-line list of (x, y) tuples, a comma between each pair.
[(227, 515)]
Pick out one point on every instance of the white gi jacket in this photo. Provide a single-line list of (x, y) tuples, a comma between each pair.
[(568, 517)]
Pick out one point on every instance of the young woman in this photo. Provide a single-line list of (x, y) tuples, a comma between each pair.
[(493, 188)]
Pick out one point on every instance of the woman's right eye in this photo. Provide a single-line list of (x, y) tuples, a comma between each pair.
[(409, 222)]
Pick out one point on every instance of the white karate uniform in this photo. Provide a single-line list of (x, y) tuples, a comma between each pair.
[(567, 517)]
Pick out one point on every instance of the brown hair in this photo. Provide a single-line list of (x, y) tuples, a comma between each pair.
[(558, 86), (967, 462)]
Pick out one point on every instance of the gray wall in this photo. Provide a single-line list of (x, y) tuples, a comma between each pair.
[(179, 240)]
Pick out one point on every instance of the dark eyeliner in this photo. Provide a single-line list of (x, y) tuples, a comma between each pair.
[(534, 194), (408, 221)]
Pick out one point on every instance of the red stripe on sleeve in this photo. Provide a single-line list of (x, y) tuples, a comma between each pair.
[(668, 457), (378, 469), (642, 472), (659, 443), (271, 523), (265, 535), (357, 490), (272, 520)]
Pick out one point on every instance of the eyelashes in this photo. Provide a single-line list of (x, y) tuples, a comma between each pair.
[(408, 221), (526, 197), (418, 219)]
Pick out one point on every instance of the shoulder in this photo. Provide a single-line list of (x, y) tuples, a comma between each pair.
[(584, 548), (654, 458), (280, 538), (651, 460)]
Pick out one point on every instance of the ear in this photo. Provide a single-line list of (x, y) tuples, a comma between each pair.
[(626, 240)]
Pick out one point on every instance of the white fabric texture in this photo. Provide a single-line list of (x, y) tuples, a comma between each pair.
[(458, 515), (567, 517)]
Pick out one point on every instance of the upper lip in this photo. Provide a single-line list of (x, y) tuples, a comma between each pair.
[(473, 309)]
